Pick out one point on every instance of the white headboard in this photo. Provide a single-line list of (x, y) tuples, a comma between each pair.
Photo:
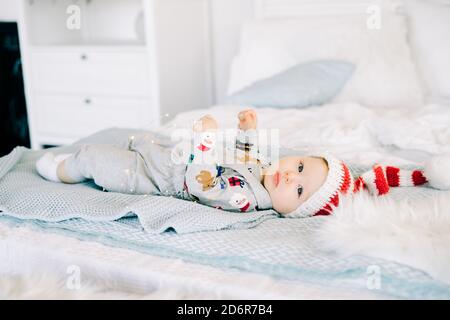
[(295, 8)]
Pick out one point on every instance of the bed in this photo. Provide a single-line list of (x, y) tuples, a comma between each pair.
[(88, 245), (384, 122)]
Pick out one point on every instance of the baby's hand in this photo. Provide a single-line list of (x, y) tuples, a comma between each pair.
[(247, 119), (205, 123)]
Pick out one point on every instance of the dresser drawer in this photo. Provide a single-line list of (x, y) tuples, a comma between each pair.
[(91, 72), (76, 116)]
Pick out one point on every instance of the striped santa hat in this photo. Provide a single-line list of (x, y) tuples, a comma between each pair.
[(378, 181)]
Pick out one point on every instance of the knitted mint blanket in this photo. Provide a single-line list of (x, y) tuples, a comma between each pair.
[(25, 195)]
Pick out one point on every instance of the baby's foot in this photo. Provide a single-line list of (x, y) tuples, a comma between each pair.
[(205, 123), (47, 165), (247, 120)]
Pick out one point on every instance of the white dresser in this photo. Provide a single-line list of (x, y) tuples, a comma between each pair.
[(95, 64)]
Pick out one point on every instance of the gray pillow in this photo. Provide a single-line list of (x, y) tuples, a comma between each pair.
[(303, 85)]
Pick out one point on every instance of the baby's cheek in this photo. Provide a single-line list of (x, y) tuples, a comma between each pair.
[(282, 203), (282, 209)]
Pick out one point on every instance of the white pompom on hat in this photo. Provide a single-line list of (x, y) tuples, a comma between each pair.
[(437, 172)]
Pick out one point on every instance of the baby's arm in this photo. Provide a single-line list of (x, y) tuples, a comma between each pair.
[(247, 137), (247, 120), (219, 187), (205, 123), (211, 183)]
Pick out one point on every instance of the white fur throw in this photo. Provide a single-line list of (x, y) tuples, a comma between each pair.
[(415, 232), (47, 286)]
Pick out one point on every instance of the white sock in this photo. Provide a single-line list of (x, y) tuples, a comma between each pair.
[(47, 165), (61, 157)]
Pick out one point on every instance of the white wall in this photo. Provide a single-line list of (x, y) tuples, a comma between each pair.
[(227, 19), (9, 10)]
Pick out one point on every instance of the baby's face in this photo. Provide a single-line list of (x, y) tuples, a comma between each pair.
[(292, 180)]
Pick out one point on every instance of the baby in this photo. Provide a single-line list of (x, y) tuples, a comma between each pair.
[(294, 186)]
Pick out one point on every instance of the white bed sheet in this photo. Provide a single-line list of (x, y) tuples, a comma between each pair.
[(351, 131)]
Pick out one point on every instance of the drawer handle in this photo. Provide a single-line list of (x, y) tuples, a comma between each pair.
[(83, 57), (87, 101)]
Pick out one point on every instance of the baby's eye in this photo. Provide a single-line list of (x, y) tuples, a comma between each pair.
[(299, 191), (300, 167)]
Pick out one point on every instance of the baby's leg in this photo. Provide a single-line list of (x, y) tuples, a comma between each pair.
[(47, 166), (73, 177), (111, 167), (53, 167)]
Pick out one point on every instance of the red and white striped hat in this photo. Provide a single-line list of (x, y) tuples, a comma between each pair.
[(377, 181)]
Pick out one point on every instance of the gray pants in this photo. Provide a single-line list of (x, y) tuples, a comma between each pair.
[(138, 166)]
